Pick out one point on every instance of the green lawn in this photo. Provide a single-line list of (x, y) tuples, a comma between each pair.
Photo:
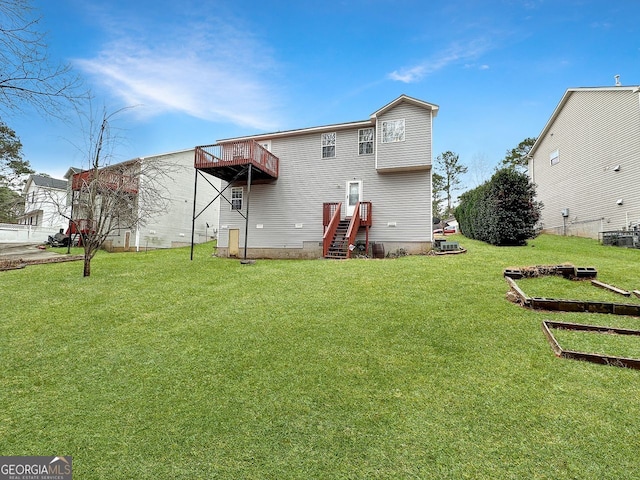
[(157, 367)]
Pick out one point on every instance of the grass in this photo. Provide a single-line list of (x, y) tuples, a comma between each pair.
[(417, 367)]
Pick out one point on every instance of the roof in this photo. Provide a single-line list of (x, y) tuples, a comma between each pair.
[(338, 126), (48, 182), (72, 171), (565, 99), (405, 98)]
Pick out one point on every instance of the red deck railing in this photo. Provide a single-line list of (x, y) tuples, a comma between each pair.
[(361, 218), (237, 153), (331, 216), (107, 179), (330, 220), (364, 209)]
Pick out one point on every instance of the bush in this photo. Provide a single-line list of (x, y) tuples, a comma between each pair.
[(501, 211)]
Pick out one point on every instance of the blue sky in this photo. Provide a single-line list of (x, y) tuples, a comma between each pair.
[(198, 71)]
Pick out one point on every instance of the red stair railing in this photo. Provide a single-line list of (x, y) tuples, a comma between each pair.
[(330, 220)]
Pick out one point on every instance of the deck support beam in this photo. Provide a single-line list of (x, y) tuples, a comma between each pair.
[(220, 194), (193, 217), (246, 218)]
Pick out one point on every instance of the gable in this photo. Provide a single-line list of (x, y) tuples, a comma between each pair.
[(408, 100), (406, 150), (596, 97)]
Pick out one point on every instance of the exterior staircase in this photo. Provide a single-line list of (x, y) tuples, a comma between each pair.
[(339, 247)]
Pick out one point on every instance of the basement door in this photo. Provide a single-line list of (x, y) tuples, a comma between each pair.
[(234, 242), (354, 194)]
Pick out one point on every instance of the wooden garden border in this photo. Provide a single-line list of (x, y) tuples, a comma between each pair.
[(548, 325)]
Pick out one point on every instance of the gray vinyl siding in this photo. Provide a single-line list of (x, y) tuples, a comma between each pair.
[(414, 153), (594, 131), (306, 181)]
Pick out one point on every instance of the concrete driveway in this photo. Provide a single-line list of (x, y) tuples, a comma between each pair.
[(29, 253)]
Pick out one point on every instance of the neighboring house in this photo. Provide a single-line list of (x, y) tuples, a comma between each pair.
[(330, 190), (586, 162), (45, 204), (173, 227)]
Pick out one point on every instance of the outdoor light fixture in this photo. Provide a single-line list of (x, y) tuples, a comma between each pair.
[(619, 201)]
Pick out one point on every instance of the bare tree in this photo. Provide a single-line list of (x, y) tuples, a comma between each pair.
[(481, 171), (110, 197), (28, 77)]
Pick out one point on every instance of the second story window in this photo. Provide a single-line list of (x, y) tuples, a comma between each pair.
[(365, 141), (554, 157), (393, 131), (329, 145), (236, 198)]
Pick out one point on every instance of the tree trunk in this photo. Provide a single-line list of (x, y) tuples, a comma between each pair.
[(87, 266)]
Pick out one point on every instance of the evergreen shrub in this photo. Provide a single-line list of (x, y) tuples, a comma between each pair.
[(502, 211)]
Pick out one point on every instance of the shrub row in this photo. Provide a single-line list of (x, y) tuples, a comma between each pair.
[(502, 211)]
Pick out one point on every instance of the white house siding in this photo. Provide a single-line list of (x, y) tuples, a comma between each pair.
[(173, 228), (43, 205), (595, 131), (415, 151), (287, 214)]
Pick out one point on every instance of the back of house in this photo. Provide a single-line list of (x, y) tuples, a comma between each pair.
[(378, 170)]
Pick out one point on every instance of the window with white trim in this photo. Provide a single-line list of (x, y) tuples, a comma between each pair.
[(393, 131), (236, 198), (554, 157), (365, 141), (329, 145)]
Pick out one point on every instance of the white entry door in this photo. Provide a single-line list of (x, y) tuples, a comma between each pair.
[(354, 194)]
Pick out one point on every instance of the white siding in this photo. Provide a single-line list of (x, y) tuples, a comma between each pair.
[(173, 228), (43, 207), (595, 131)]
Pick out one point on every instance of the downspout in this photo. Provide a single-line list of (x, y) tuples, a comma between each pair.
[(431, 177), (375, 136)]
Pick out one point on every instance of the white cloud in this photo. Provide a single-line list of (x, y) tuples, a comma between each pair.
[(213, 76), (454, 54)]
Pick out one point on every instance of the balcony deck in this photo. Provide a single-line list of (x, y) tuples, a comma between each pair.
[(114, 179), (228, 161)]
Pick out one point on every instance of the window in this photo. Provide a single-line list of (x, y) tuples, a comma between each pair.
[(365, 141), (266, 144), (329, 145), (554, 157), (393, 131), (236, 198)]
